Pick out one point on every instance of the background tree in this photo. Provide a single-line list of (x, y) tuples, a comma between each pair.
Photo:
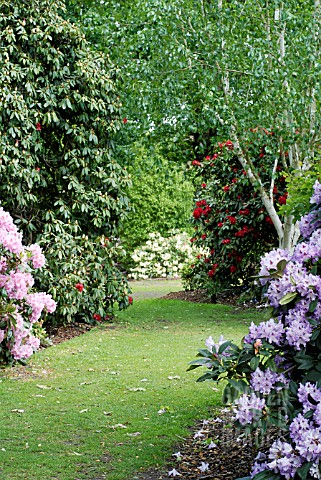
[(160, 196), (59, 111), (205, 69)]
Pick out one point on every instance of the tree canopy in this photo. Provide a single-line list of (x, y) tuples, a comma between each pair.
[(194, 72)]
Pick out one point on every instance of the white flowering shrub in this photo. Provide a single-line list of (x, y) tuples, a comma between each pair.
[(162, 257)]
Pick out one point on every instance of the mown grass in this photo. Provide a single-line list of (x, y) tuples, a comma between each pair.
[(63, 416), (155, 287)]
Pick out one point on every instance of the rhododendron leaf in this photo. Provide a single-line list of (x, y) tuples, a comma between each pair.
[(239, 385), (204, 353), (289, 297), (315, 335), (224, 346), (197, 363), (207, 376), (313, 305), (267, 475), (304, 470), (254, 363), (280, 266), (230, 394)]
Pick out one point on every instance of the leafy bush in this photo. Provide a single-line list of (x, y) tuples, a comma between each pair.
[(162, 257), (230, 220), (83, 277), (59, 111), (277, 368), (300, 189), (20, 306), (160, 198)]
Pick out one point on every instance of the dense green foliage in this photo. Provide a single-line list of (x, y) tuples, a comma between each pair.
[(194, 72), (230, 220), (58, 113), (300, 190), (161, 198)]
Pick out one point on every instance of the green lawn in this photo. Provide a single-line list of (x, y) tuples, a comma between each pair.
[(90, 406)]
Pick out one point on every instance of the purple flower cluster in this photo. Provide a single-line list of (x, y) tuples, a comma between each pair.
[(271, 331), (295, 294), (21, 307), (264, 381), (249, 408)]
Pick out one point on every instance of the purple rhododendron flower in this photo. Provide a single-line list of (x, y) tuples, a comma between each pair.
[(316, 197), (249, 408)]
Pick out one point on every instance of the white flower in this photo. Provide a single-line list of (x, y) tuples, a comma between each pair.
[(204, 467), (212, 445), (173, 473)]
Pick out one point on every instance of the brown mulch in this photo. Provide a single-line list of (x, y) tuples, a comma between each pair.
[(231, 456)]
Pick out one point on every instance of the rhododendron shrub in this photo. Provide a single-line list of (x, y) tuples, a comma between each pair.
[(230, 219), (274, 378), (83, 276), (20, 307), (163, 256), (60, 112)]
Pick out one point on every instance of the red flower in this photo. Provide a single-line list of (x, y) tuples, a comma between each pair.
[(220, 224), (226, 241), (201, 203), (203, 185), (125, 120), (196, 162), (238, 258), (192, 239), (211, 273), (226, 188), (204, 236), (97, 317), (198, 212), (229, 145), (244, 172), (130, 300), (269, 220), (234, 180), (79, 287), (207, 157), (38, 126), (240, 233), (212, 251), (275, 189), (282, 200), (232, 220), (206, 260), (37, 169), (246, 211), (233, 268), (214, 157)]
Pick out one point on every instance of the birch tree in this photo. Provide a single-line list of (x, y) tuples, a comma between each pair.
[(234, 69)]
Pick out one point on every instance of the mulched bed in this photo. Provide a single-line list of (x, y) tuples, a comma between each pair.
[(230, 458)]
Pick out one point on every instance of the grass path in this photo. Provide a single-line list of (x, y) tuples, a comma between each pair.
[(155, 287), (88, 408)]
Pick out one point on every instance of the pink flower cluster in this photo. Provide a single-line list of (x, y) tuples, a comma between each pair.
[(21, 308)]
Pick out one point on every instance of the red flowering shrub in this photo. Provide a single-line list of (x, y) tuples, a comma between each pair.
[(230, 219)]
